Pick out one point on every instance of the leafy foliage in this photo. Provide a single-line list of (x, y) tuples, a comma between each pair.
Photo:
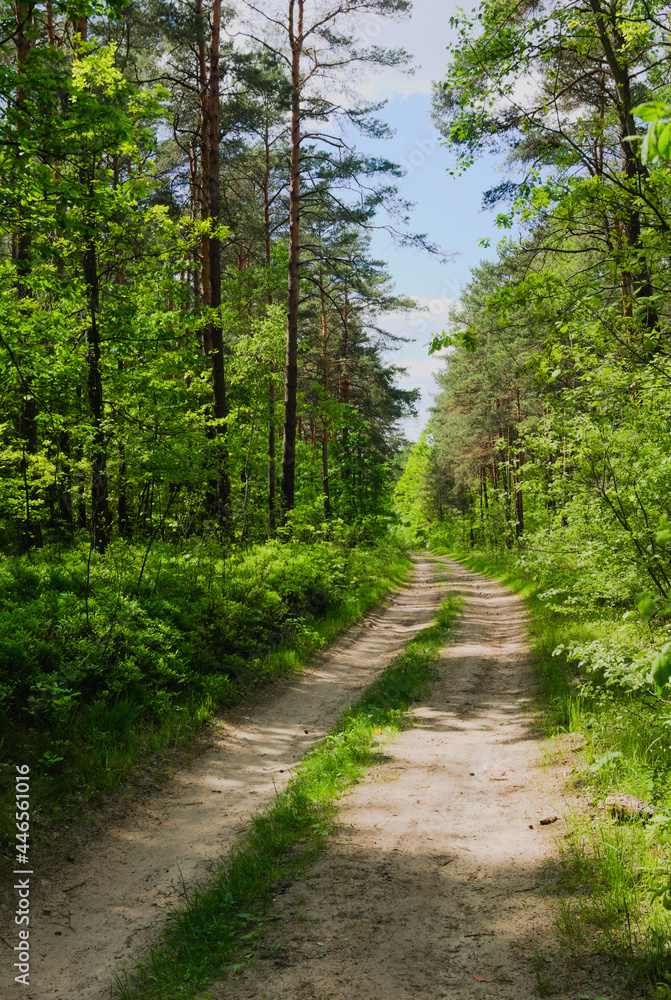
[(148, 570), (550, 457), (90, 685)]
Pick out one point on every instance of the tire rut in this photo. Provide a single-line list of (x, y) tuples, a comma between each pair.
[(434, 885)]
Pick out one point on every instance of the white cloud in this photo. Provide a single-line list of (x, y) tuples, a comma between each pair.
[(424, 35), (389, 83), (419, 325), (430, 317), (424, 370)]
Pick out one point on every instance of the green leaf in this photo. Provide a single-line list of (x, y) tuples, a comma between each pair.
[(440, 342), (661, 667), (646, 152), (651, 111), (604, 759), (646, 607), (664, 143)]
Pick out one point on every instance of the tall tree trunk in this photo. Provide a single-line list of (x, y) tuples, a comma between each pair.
[(99, 514), (272, 479), (123, 513), (204, 110), (99, 522), (272, 485), (223, 484), (344, 384), (325, 426), (482, 514), (519, 497), (219, 486), (291, 365), (64, 485), (30, 531), (634, 283), (194, 275)]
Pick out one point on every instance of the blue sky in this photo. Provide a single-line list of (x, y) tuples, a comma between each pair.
[(447, 209)]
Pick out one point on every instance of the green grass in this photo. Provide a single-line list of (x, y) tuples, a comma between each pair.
[(92, 705), (222, 920), (610, 870)]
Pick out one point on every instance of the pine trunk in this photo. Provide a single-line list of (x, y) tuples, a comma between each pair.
[(99, 521), (222, 487), (272, 486), (291, 363), (325, 426)]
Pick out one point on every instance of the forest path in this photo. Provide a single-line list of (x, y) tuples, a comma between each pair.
[(99, 911), (432, 888)]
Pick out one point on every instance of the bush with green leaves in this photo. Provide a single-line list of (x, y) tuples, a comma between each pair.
[(103, 662)]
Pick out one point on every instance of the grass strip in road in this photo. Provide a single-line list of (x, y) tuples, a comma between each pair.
[(223, 919), (612, 873)]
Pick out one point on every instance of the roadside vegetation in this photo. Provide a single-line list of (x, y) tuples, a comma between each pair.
[(223, 919), (546, 460), (100, 673), (199, 425), (593, 675)]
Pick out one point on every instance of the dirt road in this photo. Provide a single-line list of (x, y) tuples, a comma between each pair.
[(433, 886), (102, 907)]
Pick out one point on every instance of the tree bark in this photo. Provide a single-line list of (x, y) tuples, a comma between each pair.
[(291, 364), (218, 496), (325, 426), (30, 531), (204, 109), (223, 484), (344, 385), (272, 484), (634, 283), (99, 522), (519, 498)]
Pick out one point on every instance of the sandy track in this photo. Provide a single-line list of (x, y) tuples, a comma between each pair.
[(435, 878), (99, 912)]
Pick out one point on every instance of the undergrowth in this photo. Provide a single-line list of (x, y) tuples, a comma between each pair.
[(593, 672), (222, 920), (104, 667)]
